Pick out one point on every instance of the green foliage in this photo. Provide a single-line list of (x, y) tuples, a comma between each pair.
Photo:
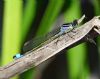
[(96, 4), (50, 16), (11, 30), (17, 22), (28, 17)]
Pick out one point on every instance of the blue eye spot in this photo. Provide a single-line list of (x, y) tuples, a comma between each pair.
[(17, 56)]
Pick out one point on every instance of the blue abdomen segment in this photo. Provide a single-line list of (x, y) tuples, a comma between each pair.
[(17, 56)]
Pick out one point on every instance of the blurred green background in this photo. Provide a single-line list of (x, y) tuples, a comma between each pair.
[(22, 20)]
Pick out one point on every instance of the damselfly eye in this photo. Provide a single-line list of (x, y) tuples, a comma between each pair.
[(74, 23)]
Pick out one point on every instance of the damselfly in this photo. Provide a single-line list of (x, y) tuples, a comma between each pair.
[(37, 42)]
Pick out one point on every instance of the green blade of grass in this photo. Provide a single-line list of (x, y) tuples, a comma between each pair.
[(11, 30), (96, 4), (50, 16), (28, 17), (76, 58)]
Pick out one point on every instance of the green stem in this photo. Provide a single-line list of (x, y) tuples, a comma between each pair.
[(29, 14)]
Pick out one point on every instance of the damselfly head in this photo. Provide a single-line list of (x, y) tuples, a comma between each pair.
[(75, 22)]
